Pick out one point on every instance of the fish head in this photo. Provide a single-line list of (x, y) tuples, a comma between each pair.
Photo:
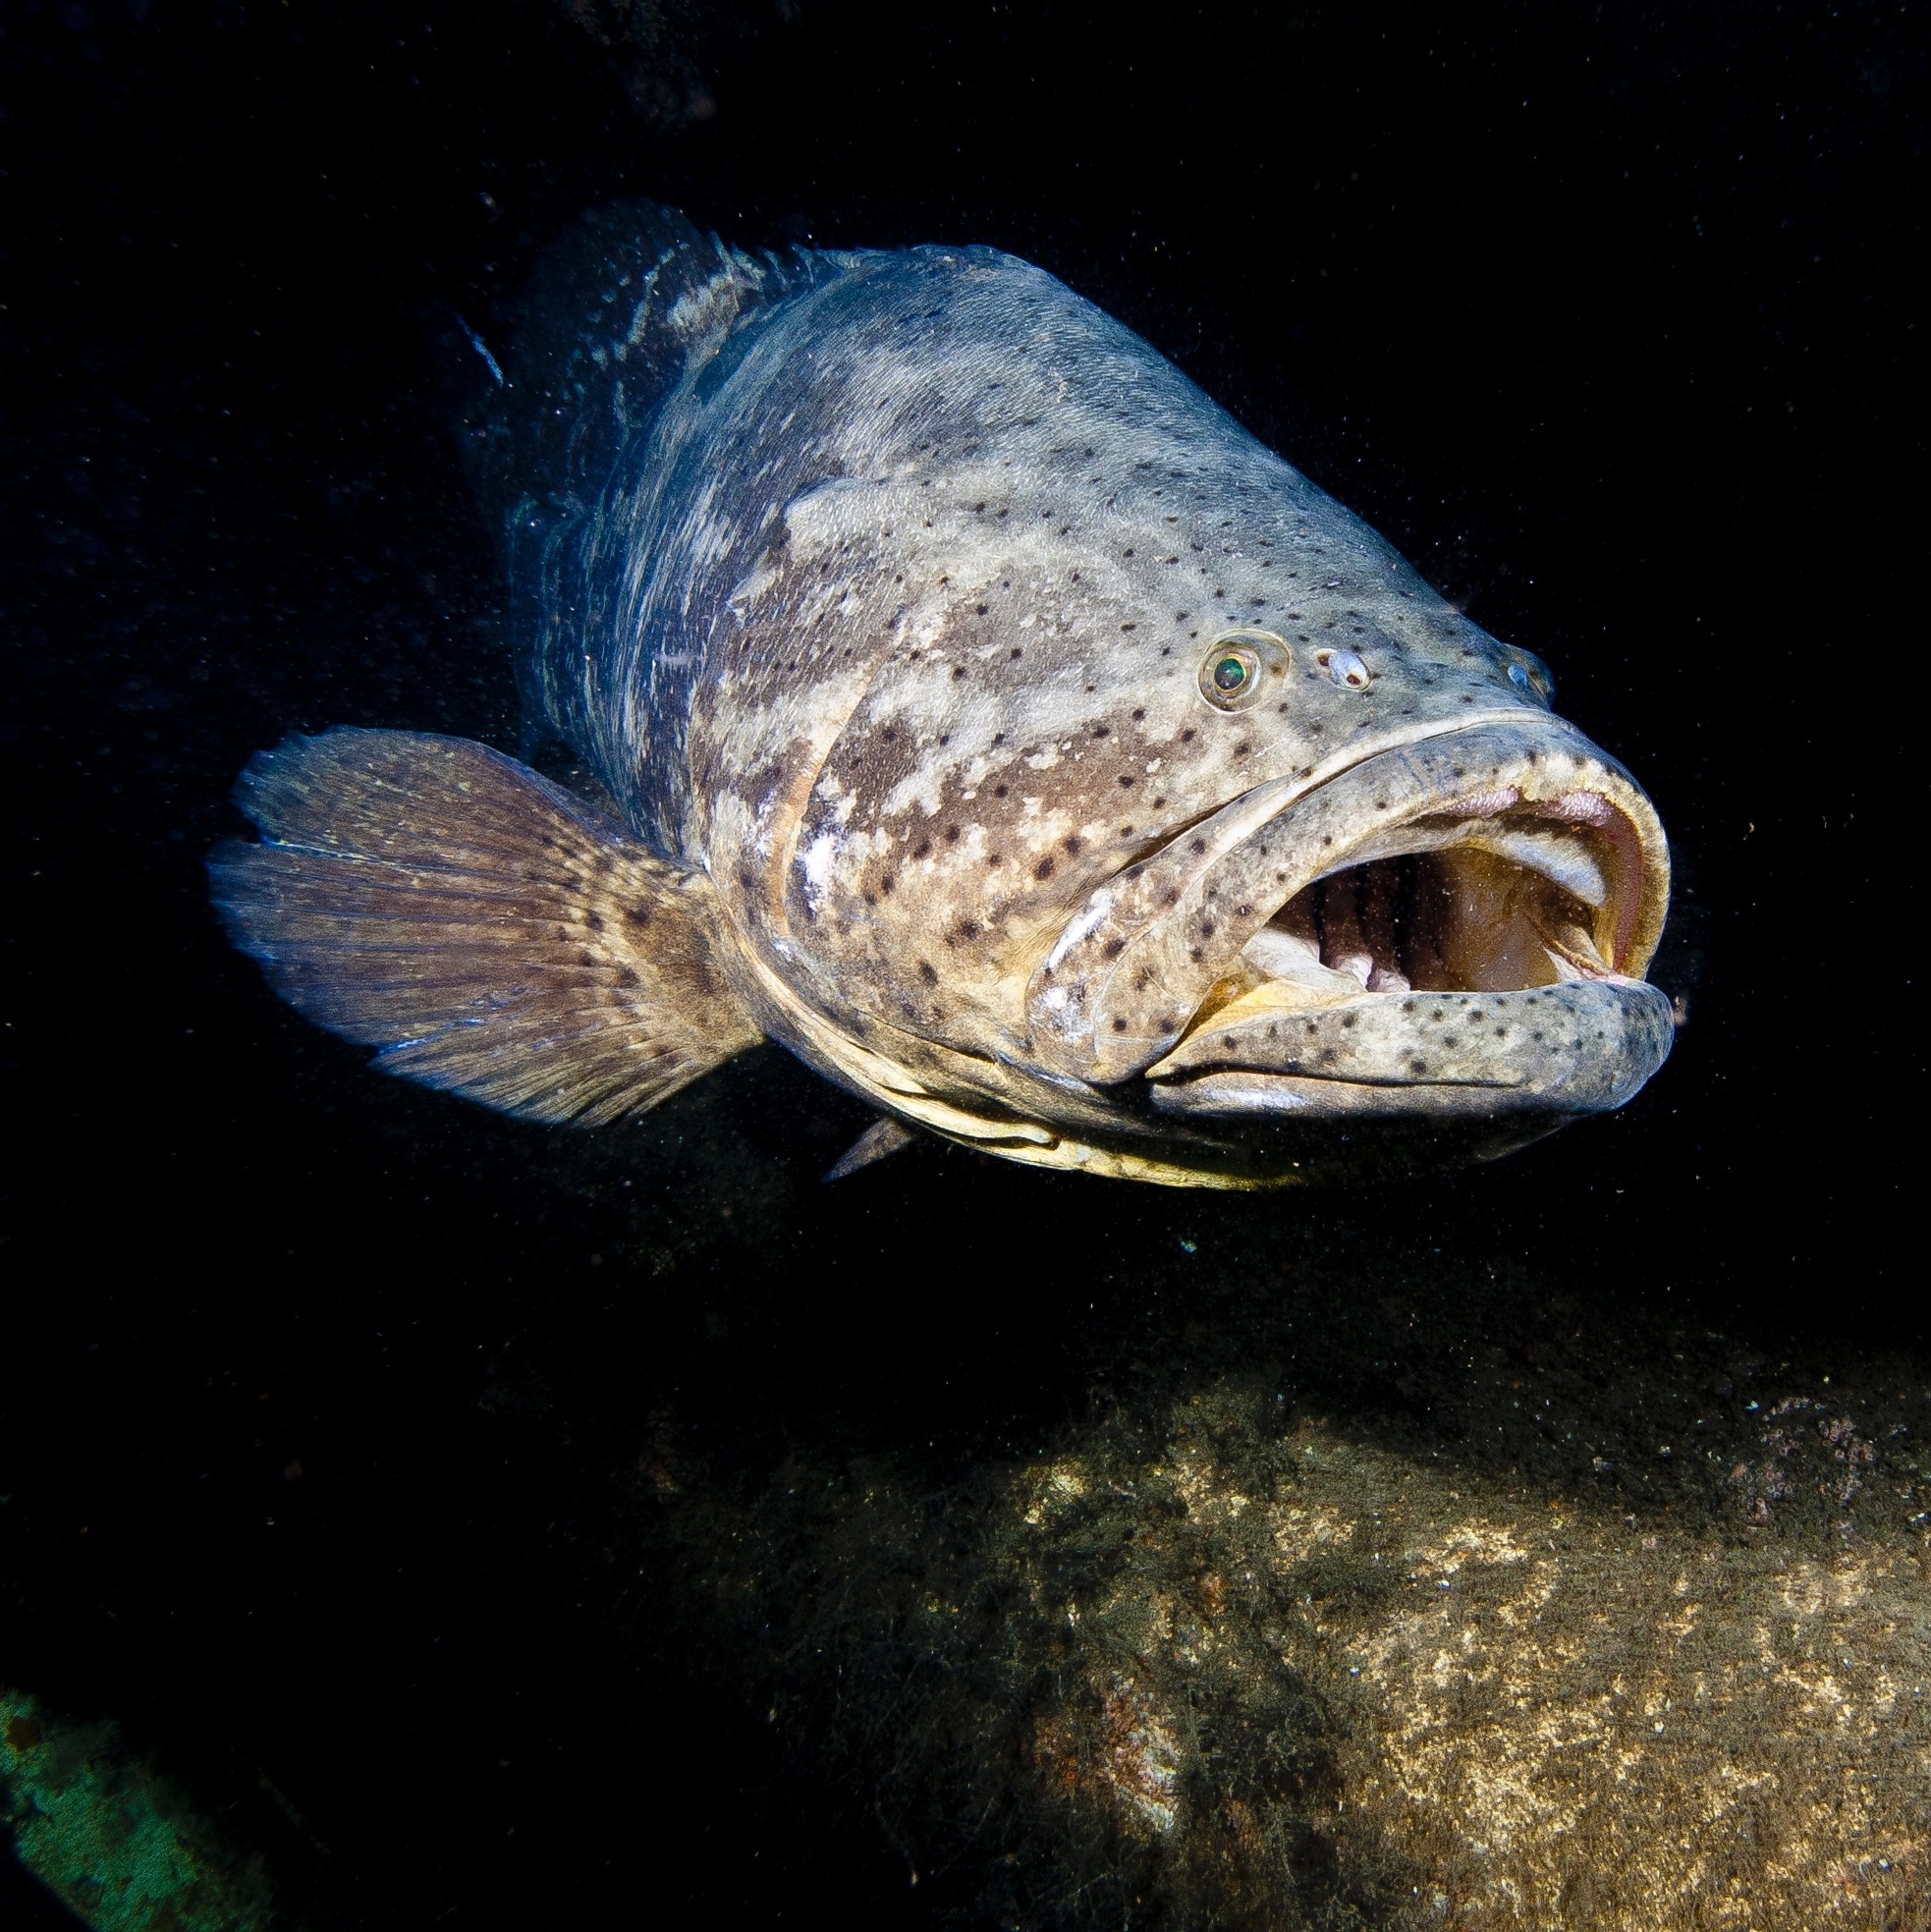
[(1218, 820)]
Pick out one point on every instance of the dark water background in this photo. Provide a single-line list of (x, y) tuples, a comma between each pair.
[(1602, 316)]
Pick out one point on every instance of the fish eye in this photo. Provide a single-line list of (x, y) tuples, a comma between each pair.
[(1530, 676), (1346, 668), (1230, 670)]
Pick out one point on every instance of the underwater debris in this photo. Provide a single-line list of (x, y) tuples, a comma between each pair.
[(121, 1844)]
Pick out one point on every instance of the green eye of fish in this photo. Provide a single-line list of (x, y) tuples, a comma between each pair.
[(1230, 672)]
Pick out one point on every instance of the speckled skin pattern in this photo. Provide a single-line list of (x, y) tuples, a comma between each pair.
[(884, 603)]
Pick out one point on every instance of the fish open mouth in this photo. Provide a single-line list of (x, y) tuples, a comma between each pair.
[(1456, 924)]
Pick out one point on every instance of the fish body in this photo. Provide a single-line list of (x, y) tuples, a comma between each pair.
[(989, 718)]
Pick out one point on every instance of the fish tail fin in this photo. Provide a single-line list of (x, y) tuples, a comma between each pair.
[(492, 934)]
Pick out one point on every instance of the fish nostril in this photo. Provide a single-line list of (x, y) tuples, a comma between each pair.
[(1346, 668)]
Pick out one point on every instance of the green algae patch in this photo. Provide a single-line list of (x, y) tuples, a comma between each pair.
[(113, 1838)]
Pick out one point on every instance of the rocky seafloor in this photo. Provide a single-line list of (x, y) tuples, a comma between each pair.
[(1362, 1584)]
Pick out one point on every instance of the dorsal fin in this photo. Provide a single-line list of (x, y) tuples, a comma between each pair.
[(613, 311), (626, 303)]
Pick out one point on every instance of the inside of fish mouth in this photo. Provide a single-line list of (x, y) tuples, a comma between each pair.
[(1502, 903)]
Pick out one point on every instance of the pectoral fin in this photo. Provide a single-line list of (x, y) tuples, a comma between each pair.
[(491, 933)]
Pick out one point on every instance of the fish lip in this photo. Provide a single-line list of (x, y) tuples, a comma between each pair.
[(1146, 946)]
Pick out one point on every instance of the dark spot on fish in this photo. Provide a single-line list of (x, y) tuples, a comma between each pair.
[(1071, 844), (1113, 948), (921, 848), (1129, 626), (889, 733), (1186, 736), (1100, 731), (952, 835), (886, 884), (1207, 928), (636, 916), (959, 671), (981, 610), (1126, 778), (999, 791), (928, 972), (594, 921), (1044, 869), (1119, 1025), (994, 859), (1016, 651)]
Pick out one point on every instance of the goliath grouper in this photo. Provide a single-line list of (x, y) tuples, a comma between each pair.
[(983, 713)]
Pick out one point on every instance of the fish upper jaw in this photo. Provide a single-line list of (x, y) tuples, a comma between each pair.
[(1496, 857)]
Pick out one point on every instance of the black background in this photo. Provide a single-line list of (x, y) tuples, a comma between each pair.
[(1603, 315)]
